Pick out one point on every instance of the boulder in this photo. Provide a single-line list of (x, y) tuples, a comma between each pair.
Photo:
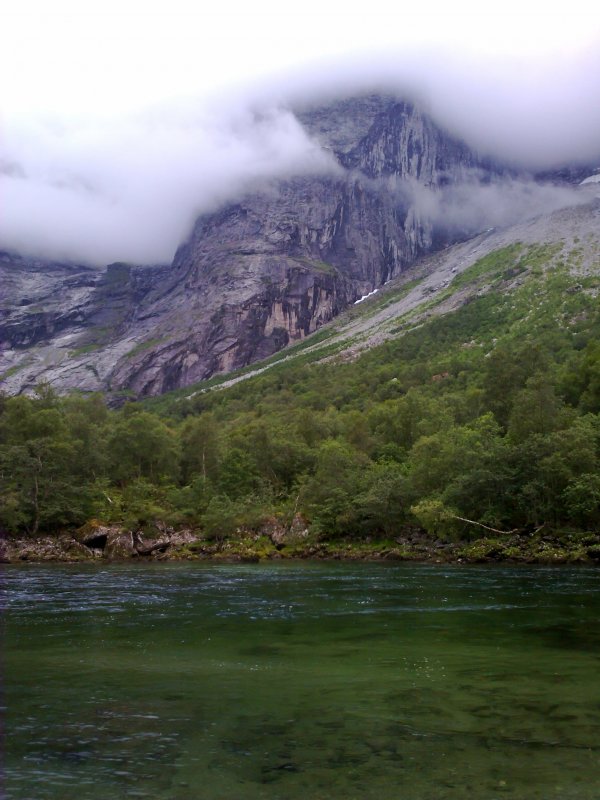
[(120, 544), (282, 534)]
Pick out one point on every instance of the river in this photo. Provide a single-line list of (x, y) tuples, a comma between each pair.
[(304, 680)]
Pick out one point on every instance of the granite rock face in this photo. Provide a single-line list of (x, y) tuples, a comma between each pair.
[(253, 276)]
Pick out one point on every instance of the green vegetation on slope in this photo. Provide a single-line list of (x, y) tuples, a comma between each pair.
[(487, 416)]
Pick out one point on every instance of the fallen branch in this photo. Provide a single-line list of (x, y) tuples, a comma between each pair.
[(481, 525)]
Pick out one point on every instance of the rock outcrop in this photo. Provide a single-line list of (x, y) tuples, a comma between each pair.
[(252, 277)]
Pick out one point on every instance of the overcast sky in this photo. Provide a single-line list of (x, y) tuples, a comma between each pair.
[(120, 121)]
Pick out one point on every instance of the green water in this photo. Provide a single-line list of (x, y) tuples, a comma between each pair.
[(187, 682)]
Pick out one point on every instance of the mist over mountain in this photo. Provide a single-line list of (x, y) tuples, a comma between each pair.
[(96, 188), (185, 191), (363, 188)]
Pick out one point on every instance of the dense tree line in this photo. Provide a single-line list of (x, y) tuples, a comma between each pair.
[(469, 420)]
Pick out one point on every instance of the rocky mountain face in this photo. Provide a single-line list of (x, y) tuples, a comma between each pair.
[(253, 276)]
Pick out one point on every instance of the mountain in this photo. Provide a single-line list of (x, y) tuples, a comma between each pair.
[(255, 275), (499, 265), (462, 399)]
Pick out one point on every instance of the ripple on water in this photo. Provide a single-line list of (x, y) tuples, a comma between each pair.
[(302, 680)]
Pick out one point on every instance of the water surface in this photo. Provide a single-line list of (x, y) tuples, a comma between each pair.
[(285, 681)]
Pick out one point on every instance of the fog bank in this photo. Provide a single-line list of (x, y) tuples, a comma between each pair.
[(101, 187)]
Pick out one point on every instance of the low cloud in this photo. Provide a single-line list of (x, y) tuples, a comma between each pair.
[(131, 192), (534, 113), (99, 189), (472, 206)]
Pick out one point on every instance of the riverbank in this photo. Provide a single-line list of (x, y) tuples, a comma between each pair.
[(109, 543)]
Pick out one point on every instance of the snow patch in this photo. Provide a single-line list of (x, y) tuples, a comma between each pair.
[(591, 179), (364, 297)]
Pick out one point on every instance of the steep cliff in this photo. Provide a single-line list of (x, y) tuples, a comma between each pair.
[(252, 276)]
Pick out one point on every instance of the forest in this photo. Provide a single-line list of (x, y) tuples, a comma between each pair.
[(484, 418)]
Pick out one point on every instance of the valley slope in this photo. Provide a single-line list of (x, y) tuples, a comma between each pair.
[(443, 282), (462, 400)]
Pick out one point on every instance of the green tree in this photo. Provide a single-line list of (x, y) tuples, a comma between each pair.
[(327, 497), (507, 370), (581, 500), (143, 446), (537, 410), (381, 504), (200, 447), (220, 519), (466, 467), (39, 487), (546, 465), (238, 474)]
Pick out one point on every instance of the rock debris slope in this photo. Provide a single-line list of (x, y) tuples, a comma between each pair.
[(253, 276)]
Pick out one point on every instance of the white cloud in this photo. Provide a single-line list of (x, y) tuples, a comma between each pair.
[(123, 120), (473, 206), (130, 192)]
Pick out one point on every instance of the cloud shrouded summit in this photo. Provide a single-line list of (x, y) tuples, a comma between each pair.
[(113, 139), (130, 192)]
